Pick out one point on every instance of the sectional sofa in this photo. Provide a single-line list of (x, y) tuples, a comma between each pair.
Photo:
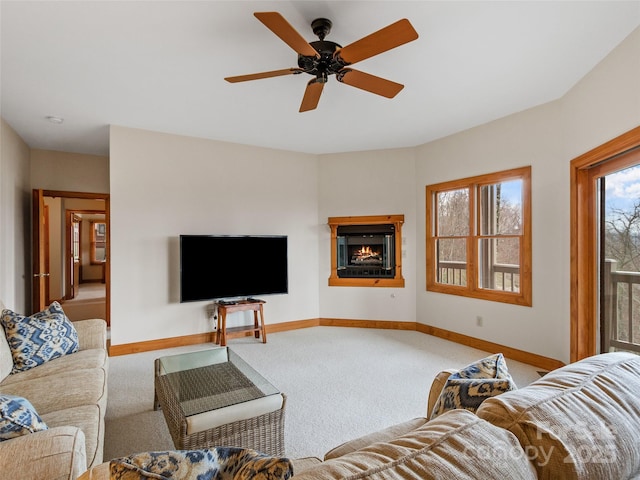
[(69, 393), (578, 422)]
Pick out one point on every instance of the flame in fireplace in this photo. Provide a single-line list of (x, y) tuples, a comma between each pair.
[(366, 253)]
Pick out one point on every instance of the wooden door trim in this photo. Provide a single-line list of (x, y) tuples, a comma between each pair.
[(37, 255), (584, 283), (107, 215)]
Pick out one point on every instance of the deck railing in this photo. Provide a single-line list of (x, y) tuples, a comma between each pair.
[(621, 308), (621, 299), (502, 276)]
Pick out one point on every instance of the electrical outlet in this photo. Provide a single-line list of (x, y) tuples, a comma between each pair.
[(479, 321), (212, 312)]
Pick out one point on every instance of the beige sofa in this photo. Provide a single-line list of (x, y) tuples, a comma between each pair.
[(578, 422), (70, 395)]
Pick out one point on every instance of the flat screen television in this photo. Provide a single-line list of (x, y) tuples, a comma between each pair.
[(223, 266)]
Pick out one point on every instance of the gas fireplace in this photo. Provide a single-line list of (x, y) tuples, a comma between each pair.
[(366, 251)]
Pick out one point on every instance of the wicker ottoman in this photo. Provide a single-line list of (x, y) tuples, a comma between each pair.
[(213, 398)]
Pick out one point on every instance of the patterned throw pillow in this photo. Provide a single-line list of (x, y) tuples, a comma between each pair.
[(18, 417), (221, 463), (39, 338), (469, 387)]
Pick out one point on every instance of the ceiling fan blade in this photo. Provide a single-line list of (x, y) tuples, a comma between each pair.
[(289, 35), (368, 82), (257, 76), (311, 95), (389, 37)]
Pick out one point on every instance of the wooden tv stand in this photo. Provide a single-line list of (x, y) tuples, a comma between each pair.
[(258, 328)]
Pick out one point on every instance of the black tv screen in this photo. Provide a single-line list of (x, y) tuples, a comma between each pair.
[(217, 266)]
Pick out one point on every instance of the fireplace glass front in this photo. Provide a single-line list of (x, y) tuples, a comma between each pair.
[(366, 251)]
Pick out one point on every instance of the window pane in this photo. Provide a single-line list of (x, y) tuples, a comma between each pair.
[(453, 213), (499, 264), (452, 261), (501, 208)]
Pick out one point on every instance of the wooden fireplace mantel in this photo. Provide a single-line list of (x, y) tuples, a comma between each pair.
[(397, 221)]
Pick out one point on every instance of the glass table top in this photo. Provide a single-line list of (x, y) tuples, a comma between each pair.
[(210, 379)]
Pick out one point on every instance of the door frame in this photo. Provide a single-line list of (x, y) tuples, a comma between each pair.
[(68, 259), (38, 245), (584, 244)]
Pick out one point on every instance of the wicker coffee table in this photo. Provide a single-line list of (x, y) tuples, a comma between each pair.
[(214, 398)]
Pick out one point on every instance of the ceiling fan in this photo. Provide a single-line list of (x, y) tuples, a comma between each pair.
[(323, 58)]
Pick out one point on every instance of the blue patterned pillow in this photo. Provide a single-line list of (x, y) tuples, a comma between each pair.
[(39, 338), (18, 417), (470, 386), (221, 463)]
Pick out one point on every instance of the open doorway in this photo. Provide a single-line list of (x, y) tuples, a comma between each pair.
[(594, 328), (71, 253)]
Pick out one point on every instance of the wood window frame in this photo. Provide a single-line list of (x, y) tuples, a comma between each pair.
[(584, 258), (471, 289), (95, 242), (397, 221)]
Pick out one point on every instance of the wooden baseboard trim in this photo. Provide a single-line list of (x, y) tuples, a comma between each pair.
[(159, 344), (383, 324), (295, 325), (529, 358)]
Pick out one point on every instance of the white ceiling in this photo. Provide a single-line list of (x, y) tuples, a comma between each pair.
[(159, 65)]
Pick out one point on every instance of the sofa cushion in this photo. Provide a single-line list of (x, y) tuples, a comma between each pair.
[(57, 453), (64, 390), (38, 338), (18, 417), (89, 419), (81, 360), (469, 387), (578, 422), (457, 444), (224, 463)]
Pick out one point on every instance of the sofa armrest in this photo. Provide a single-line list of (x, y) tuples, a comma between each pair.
[(57, 453), (91, 333), (436, 388)]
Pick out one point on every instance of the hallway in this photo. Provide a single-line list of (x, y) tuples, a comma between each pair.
[(90, 302)]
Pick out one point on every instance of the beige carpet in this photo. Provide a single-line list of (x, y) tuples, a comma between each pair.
[(340, 383), (89, 302)]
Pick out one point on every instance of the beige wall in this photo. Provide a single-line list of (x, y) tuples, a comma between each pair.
[(165, 185), (378, 182), (531, 138), (72, 172), (603, 105), (15, 215)]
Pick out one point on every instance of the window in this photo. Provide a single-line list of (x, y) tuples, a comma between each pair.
[(75, 237), (479, 237), (98, 242)]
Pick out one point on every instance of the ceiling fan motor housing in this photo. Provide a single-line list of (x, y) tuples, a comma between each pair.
[(327, 64)]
